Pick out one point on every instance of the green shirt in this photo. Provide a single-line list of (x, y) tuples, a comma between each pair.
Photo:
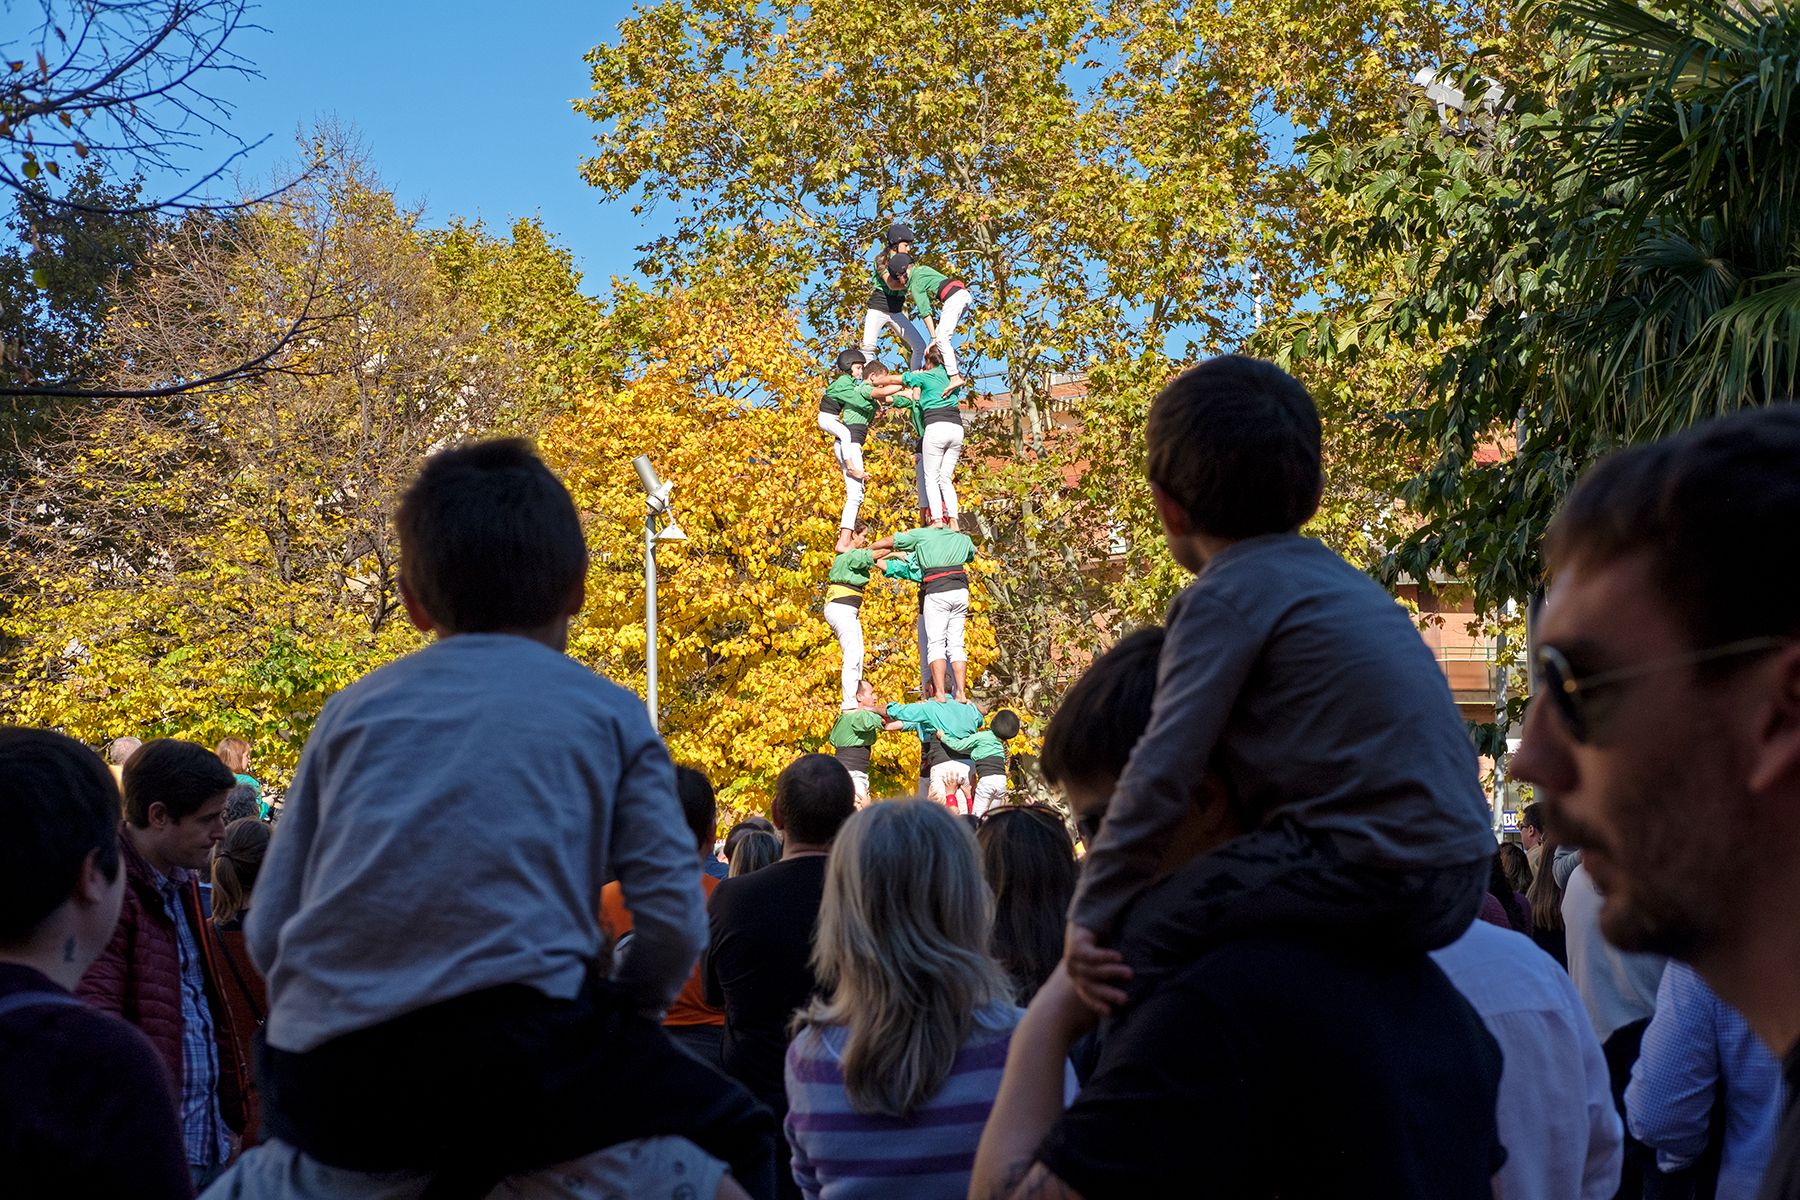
[(949, 717), (855, 399), (931, 385), (902, 566), (922, 284), (936, 549), (978, 745), (857, 728), (852, 567)]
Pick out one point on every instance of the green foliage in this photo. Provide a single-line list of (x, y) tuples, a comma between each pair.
[(1612, 255)]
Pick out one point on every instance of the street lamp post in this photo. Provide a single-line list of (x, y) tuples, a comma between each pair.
[(656, 505)]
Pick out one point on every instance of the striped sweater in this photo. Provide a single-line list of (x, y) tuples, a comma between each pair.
[(841, 1154)]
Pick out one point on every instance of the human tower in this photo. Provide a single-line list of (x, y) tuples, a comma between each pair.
[(963, 757)]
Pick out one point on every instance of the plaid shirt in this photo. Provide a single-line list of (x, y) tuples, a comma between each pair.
[(203, 1128)]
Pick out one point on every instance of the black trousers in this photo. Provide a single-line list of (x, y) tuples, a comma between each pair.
[(507, 1080)]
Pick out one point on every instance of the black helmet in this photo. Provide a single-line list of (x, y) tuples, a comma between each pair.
[(898, 233), (898, 263), (850, 358)]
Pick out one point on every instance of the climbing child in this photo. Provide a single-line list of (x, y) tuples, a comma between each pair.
[(938, 422), (887, 301), (933, 292), (848, 406), (986, 748), (1298, 680)]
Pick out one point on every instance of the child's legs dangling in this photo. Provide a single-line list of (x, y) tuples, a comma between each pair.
[(850, 459)]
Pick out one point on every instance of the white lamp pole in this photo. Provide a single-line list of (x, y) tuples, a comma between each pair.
[(656, 504)]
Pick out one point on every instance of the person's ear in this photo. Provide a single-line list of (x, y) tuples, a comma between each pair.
[(1775, 754), (91, 884), (157, 815), (415, 611), (1175, 520), (577, 597)]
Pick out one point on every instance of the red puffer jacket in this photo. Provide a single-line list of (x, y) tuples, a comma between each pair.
[(138, 977)]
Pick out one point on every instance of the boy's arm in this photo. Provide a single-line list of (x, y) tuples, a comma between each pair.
[(961, 744), (654, 858), (1207, 655)]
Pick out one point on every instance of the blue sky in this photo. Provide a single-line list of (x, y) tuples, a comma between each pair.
[(463, 106)]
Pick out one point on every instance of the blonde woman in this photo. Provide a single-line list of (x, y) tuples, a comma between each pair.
[(889, 1082)]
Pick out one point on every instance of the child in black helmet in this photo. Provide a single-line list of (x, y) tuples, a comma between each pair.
[(887, 302), (933, 292), (845, 411)]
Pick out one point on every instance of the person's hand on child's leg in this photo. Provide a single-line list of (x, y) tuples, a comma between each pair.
[(1097, 972)]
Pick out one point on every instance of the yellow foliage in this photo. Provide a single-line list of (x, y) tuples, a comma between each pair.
[(725, 404)]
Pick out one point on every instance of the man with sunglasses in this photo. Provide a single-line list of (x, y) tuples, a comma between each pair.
[(1666, 724)]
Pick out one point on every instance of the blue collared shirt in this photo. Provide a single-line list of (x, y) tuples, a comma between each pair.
[(208, 1141), (1694, 1042)]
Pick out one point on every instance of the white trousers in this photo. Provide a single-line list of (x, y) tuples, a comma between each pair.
[(873, 321), (945, 613), (859, 780), (954, 308), (989, 791), (849, 457), (846, 621), (937, 468)]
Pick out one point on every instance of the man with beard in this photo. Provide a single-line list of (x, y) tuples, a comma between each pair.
[(1667, 725)]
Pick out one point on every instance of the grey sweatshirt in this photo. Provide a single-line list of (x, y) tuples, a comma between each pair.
[(1304, 684), (452, 822)]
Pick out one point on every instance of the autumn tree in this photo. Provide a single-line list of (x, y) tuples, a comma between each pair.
[(1111, 179), (221, 562), (721, 395)]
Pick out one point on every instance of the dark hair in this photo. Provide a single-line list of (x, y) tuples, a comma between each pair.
[(489, 539), (242, 801), (235, 867), (59, 804), (1545, 894), (1532, 817), (1703, 506), (1500, 888), (1029, 860), (748, 825), (180, 776), (1517, 865), (1005, 725), (814, 797), (934, 356), (1235, 442), (757, 849), (699, 807), (1104, 714)]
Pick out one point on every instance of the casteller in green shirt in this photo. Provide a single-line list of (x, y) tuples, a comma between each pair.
[(922, 284), (937, 549), (855, 399), (853, 736)]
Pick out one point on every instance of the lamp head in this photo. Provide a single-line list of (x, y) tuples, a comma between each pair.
[(656, 491)]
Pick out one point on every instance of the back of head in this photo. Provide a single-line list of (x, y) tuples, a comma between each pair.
[(737, 833), (235, 867), (756, 849), (490, 540), (699, 807), (1005, 725), (902, 951), (180, 776), (1517, 866), (120, 751), (234, 752), (1104, 714), (58, 804), (1704, 506), (1235, 442), (1029, 860), (242, 802), (814, 796)]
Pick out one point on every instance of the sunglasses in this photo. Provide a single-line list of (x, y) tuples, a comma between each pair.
[(1571, 693), (1040, 812)]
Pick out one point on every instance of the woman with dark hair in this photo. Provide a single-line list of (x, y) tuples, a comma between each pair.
[(1028, 858), (236, 864), (1517, 865), (1546, 901)]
